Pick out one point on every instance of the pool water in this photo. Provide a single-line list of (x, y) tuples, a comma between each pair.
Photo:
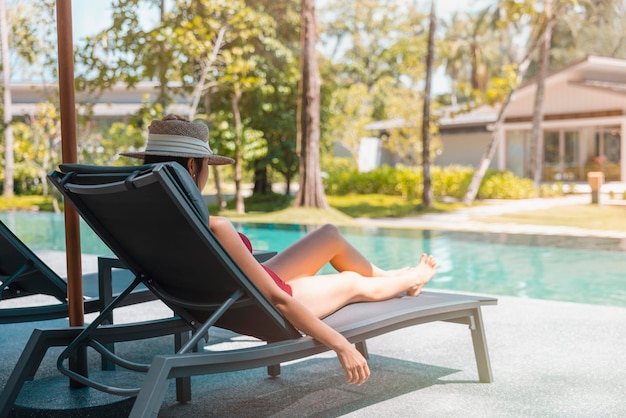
[(577, 269)]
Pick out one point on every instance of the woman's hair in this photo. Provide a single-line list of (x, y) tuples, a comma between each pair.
[(150, 159)]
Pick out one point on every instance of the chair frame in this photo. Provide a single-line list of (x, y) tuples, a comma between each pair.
[(47, 281), (357, 322)]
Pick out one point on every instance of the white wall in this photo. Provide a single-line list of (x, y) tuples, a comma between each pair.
[(464, 149)]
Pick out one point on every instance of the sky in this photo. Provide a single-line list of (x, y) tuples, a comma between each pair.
[(91, 16)]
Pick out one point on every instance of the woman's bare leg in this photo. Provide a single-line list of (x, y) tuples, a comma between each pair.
[(308, 255), (324, 294)]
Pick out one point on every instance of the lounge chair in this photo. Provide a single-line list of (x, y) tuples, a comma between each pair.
[(23, 273), (154, 219)]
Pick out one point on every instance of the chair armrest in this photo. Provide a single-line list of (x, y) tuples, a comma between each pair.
[(106, 264)]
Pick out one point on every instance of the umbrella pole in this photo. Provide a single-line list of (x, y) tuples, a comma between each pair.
[(69, 155)]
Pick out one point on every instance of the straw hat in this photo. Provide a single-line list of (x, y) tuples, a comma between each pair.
[(179, 138)]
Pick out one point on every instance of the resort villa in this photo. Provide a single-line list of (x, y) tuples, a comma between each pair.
[(584, 120), (115, 104)]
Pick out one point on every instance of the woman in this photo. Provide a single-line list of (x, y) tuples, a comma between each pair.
[(289, 279)]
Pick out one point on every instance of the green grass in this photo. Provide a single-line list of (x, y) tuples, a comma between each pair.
[(27, 203), (291, 215), (604, 217), (384, 206), (345, 209)]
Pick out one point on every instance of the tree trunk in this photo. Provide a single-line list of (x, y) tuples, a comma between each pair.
[(287, 185), (427, 192), (262, 184), (311, 192), (221, 203), (239, 203), (219, 197), (7, 117), (536, 136)]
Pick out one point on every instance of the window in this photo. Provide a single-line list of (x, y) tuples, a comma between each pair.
[(607, 152), (561, 156)]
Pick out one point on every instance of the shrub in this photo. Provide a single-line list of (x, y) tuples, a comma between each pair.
[(551, 190), (505, 185), (398, 181), (451, 181), (329, 163), (28, 203)]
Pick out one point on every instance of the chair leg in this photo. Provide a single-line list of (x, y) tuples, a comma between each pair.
[(480, 347), (273, 370), (153, 389), (30, 360), (362, 347), (105, 294), (183, 384)]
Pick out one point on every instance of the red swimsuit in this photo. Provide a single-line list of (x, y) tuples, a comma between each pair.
[(280, 282)]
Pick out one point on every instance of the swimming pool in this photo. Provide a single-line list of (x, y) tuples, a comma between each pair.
[(576, 269)]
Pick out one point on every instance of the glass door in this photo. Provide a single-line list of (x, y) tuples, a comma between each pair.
[(561, 156), (552, 167), (608, 150), (572, 166)]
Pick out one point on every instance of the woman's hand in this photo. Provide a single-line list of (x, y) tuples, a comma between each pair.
[(354, 364)]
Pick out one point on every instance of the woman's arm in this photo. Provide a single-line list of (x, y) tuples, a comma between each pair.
[(300, 317)]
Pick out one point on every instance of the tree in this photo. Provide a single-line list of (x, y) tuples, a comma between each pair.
[(38, 145), (206, 48), (311, 191), (240, 74), (125, 52), (587, 27), (543, 61), (377, 56), (29, 51), (272, 107), (7, 117), (474, 52), (427, 192), (509, 84), (542, 21), (273, 111)]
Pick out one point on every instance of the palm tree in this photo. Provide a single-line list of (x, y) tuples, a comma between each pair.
[(427, 192), (536, 135), (535, 38), (473, 53)]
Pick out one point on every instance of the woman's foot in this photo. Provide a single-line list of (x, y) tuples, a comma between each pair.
[(424, 271)]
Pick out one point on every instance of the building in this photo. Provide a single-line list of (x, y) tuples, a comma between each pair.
[(583, 125), (115, 104)]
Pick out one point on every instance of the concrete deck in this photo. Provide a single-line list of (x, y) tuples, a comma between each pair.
[(549, 359)]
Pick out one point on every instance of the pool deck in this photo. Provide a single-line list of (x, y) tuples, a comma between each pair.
[(549, 359)]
